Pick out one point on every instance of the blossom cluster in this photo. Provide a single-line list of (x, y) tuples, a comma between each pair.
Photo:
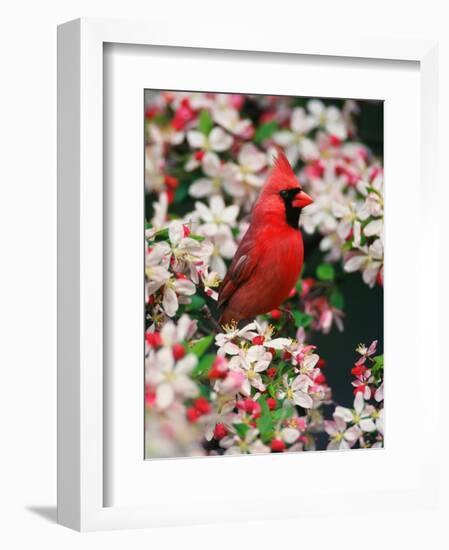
[(254, 394), (346, 184), (261, 387), (364, 423)]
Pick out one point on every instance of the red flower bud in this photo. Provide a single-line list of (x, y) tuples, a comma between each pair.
[(271, 372), (220, 431), (277, 445), (171, 181), (276, 314), (192, 414), (178, 351), (250, 406), (150, 397), (358, 370), (271, 403), (219, 369), (334, 140), (258, 340), (153, 339), (202, 405)]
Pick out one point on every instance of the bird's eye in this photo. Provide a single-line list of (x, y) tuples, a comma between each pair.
[(284, 193)]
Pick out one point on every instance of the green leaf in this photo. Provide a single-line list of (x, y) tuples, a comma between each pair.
[(278, 414), (241, 429), (265, 131), (162, 235), (265, 421), (378, 366), (181, 193), (200, 347), (280, 367), (347, 245), (336, 299), (301, 319), (204, 389), (379, 361), (199, 238), (325, 272), (161, 119), (205, 122), (374, 190), (203, 366), (196, 303), (282, 413)]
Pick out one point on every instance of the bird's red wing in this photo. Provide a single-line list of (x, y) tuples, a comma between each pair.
[(239, 271)]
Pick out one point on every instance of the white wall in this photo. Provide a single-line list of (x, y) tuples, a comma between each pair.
[(28, 263)]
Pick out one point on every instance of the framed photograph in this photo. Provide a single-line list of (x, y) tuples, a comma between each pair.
[(240, 287)]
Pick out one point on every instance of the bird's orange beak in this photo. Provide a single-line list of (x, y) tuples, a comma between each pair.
[(301, 200)]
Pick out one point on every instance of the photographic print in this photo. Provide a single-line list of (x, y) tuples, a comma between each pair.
[(264, 258)]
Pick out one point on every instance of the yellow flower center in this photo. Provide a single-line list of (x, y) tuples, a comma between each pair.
[(170, 376), (250, 373)]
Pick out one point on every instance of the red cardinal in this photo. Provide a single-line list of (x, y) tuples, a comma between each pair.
[(269, 259)]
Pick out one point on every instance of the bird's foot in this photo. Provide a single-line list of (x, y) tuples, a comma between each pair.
[(208, 315), (288, 314)]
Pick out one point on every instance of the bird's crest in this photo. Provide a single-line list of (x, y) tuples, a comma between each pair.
[(282, 175), (282, 165)]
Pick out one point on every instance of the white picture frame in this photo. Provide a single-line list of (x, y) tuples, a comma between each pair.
[(82, 491)]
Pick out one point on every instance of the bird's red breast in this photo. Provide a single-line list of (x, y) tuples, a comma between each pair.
[(269, 259)]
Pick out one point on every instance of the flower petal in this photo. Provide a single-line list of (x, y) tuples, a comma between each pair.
[(303, 399), (367, 424), (343, 413), (196, 139), (355, 263), (219, 140), (184, 287), (201, 188), (290, 435), (252, 158), (164, 395), (170, 301)]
